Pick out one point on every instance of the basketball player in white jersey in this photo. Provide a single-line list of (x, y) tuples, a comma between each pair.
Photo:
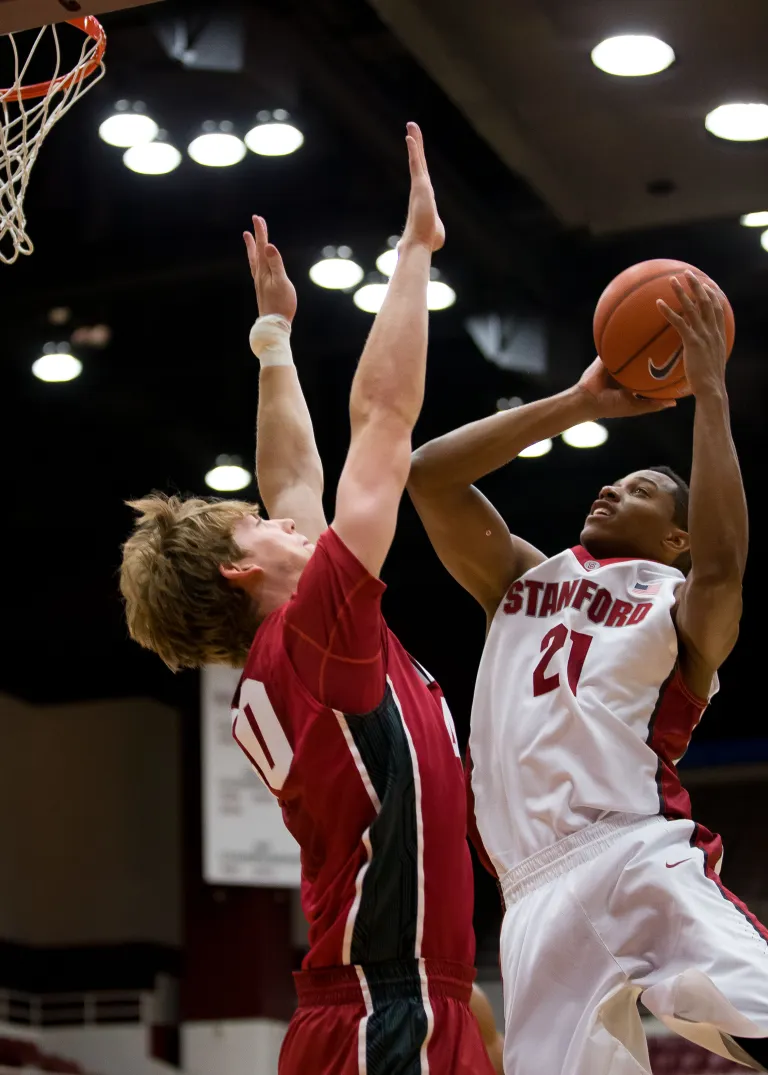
[(598, 665)]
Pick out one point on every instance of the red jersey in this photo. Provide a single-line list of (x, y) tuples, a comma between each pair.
[(356, 741)]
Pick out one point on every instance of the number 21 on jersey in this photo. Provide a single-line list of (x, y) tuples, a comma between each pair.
[(552, 642)]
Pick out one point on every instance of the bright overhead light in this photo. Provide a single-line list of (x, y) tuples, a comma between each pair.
[(128, 126), (217, 146), (386, 261), (764, 240), (370, 297), (57, 365), (153, 158), (632, 55), (586, 435), (755, 220), (439, 295), (228, 476), (336, 270), (739, 122), (533, 451), (273, 135)]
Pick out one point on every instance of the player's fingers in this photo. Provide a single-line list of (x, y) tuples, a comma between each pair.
[(276, 266), (414, 161), (650, 406), (687, 303), (253, 253), (676, 320), (703, 297), (415, 132), (718, 313), (260, 233)]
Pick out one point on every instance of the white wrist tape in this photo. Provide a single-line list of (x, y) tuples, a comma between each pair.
[(271, 340)]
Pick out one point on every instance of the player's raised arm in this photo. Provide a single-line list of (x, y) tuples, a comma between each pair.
[(388, 389), (288, 467), (468, 534), (710, 604)]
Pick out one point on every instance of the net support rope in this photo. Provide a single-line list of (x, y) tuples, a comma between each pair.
[(24, 125)]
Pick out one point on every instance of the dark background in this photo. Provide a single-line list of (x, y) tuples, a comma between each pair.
[(160, 261)]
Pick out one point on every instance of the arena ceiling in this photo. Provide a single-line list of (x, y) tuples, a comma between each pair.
[(531, 156)]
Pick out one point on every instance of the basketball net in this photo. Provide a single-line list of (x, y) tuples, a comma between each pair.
[(28, 113)]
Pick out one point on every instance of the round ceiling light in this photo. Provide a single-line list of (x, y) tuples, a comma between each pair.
[(228, 476), (336, 270), (739, 122), (152, 158), (632, 55), (439, 295), (57, 367), (755, 220), (764, 240), (217, 146), (586, 435), (370, 297), (274, 135), (533, 451)]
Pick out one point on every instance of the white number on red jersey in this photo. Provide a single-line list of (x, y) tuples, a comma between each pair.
[(260, 734)]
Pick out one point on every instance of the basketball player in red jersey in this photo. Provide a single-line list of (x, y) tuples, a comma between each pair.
[(598, 665), (350, 733)]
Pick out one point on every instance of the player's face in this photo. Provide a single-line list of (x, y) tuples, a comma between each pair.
[(274, 545), (635, 517)]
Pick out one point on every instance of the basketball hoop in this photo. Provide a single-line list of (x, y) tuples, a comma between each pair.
[(24, 125)]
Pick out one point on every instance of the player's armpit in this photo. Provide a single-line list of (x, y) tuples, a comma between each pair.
[(473, 541), (707, 620)]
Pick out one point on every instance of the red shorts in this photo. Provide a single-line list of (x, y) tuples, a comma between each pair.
[(409, 1017)]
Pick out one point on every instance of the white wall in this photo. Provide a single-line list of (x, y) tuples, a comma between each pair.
[(242, 1047), (106, 1050)]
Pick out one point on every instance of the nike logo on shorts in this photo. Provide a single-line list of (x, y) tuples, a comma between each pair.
[(671, 865)]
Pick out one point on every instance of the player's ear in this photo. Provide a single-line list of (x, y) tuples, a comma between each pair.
[(678, 541), (245, 576)]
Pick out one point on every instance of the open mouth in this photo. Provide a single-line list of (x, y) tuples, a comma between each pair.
[(601, 509)]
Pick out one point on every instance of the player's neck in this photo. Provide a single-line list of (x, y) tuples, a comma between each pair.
[(275, 590)]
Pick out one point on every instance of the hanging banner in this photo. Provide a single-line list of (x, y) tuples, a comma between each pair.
[(244, 839)]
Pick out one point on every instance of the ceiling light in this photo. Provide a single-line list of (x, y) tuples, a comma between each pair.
[(217, 146), (439, 295), (273, 135), (764, 240), (153, 158), (336, 270), (56, 364), (533, 451), (128, 126), (586, 435), (228, 476), (739, 122), (386, 261), (755, 220), (632, 55), (370, 297)]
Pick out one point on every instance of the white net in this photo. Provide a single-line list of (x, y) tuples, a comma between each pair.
[(27, 115)]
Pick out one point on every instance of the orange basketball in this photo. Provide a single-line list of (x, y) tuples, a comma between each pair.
[(634, 339)]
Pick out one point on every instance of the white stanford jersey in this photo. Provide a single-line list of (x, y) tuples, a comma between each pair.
[(580, 710)]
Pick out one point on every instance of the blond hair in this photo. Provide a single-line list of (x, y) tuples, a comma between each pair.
[(177, 602)]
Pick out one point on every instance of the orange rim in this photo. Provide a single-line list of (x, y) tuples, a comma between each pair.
[(90, 26)]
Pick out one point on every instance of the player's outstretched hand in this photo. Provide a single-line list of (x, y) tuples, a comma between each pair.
[(275, 293), (610, 400), (702, 329), (424, 226)]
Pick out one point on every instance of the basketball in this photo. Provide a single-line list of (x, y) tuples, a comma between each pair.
[(633, 338)]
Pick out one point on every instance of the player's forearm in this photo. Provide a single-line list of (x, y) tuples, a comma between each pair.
[(389, 382), (462, 457), (286, 452), (717, 514)]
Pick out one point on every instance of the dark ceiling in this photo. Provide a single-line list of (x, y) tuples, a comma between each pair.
[(160, 261)]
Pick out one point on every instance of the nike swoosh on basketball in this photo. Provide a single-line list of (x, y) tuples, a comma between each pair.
[(671, 865), (660, 372)]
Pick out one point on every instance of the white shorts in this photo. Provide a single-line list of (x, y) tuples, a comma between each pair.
[(621, 911)]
